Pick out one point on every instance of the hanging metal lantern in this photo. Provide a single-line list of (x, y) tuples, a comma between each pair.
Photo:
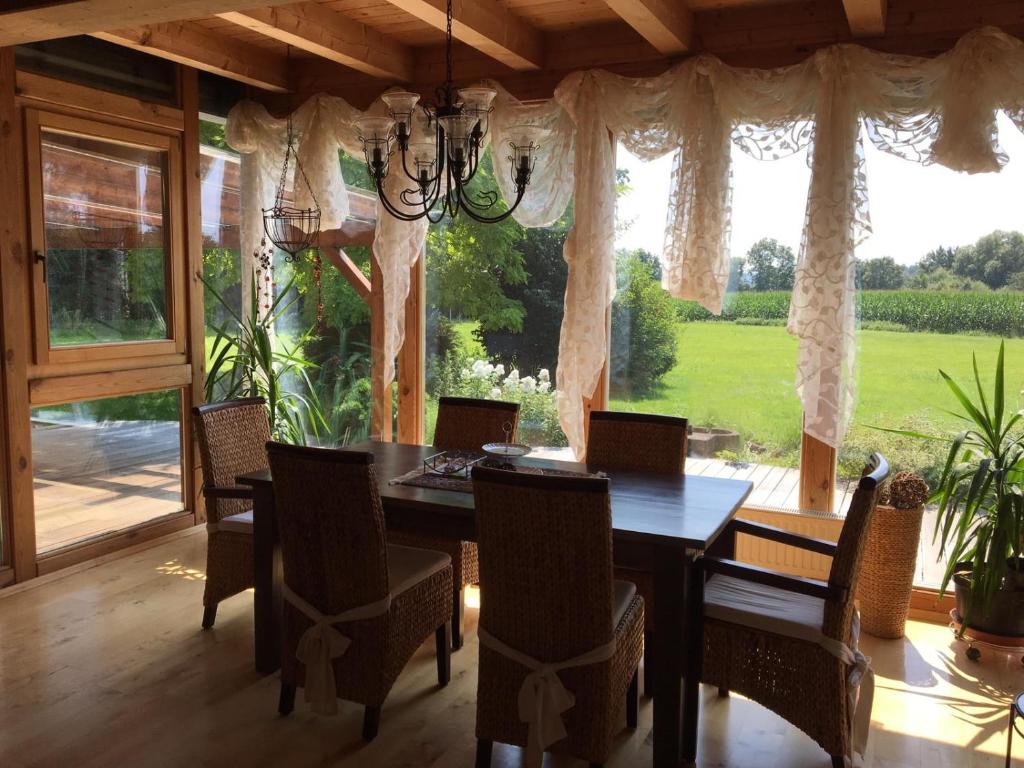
[(292, 229)]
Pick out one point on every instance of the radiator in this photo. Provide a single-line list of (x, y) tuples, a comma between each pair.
[(779, 557)]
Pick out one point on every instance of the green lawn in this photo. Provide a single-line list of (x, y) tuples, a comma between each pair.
[(742, 377)]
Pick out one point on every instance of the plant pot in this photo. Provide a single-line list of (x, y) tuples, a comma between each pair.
[(887, 574), (1004, 616)]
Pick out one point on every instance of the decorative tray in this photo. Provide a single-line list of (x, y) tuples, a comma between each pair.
[(506, 450), (455, 464)]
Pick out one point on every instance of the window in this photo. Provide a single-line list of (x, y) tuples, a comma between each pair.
[(940, 281), (106, 239), (494, 312), (732, 376), (105, 465)]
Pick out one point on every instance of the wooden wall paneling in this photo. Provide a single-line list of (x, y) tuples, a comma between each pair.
[(15, 283), (90, 386), (380, 395), (60, 94), (817, 474), (193, 272), (412, 360)]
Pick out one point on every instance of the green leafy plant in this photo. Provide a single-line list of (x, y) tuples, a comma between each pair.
[(247, 359), (980, 493)]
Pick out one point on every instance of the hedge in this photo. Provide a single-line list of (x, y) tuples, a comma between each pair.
[(999, 313)]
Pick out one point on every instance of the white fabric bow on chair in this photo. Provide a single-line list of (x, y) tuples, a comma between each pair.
[(542, 697), (321, 644)]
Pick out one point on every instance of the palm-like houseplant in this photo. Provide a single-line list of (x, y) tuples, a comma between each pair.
[(980, 498), (247, 359)]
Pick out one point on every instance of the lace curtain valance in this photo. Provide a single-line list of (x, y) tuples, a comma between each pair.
[(939, 110)]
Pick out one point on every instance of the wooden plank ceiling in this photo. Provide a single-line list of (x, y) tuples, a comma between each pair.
[(357, 47)]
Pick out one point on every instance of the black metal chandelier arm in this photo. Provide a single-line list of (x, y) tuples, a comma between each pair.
[(390, 208), (499, 218)]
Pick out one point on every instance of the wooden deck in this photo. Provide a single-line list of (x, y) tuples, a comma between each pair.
[(94, 478)]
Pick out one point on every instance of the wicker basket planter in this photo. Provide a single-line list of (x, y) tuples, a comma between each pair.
[(890, 556)]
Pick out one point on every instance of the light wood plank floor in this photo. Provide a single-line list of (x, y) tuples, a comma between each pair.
[(108, 666)]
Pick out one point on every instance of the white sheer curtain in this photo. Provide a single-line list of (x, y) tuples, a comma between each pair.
[(939, 110)]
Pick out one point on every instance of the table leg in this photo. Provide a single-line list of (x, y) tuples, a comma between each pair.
[(669, 597), (267, 606), (693, 656)]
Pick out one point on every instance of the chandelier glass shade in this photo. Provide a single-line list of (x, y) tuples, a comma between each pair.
[(437, 149)]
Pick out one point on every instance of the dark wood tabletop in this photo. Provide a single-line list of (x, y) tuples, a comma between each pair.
[(661, 525), (687, 511)]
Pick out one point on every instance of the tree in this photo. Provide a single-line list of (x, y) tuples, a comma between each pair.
[(992, 259), (771, 265), (940, 258), (644, 343), (943, 280), (881, 274)]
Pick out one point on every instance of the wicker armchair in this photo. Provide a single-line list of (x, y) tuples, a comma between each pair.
[(548, 598), (355, 607), (638, 442), (790, 643), (463, 424), (232, 436)]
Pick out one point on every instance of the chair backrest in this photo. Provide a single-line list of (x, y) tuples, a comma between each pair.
[(545, 561), (637, 442), (850, 549), (464, 424), (232, 438), (331, 526)]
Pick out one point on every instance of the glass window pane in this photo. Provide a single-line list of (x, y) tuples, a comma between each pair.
[(105, 465), (733, 376), (494, 311), (941, 280), (105, 213)]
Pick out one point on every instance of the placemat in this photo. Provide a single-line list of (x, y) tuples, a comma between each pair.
[(423, 479)]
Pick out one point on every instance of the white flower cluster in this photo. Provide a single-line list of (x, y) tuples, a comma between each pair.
[(484, 370)]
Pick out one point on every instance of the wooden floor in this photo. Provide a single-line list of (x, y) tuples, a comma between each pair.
[(91, 479), (108, 667)]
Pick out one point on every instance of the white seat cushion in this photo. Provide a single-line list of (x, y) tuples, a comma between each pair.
[(766, 608), (623, 595), (240, 523), (408, 566)]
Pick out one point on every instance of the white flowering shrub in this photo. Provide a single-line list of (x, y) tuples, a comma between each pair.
[(538, 411)]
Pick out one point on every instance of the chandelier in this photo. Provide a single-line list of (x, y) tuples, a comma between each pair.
[(440, 150)]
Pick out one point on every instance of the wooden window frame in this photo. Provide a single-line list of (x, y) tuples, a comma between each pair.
[(37, 120)]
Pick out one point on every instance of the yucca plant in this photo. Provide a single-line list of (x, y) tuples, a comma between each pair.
[(980, 494), (248, 359)]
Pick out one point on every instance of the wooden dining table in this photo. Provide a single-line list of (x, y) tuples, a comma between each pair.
[(662, 524)]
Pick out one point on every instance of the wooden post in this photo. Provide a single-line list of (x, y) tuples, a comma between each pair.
[(411, 360), (193, 258), (817, 474), (598, 401), (380, 394), (19, 534)]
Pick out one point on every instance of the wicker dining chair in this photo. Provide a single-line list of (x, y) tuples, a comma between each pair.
[(638, 442), (346, 589), (547, 593), (463, 424), (231, 436), (768, 635)]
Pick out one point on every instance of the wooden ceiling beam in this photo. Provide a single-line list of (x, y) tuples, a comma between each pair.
[(485, 25), (313, 28), (32, 20), (188, 43), (665, 24), (866, 17)]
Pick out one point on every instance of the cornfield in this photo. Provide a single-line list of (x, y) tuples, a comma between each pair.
[(999, 313)]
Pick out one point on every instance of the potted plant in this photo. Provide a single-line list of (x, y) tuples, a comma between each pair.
[(980, 498)]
